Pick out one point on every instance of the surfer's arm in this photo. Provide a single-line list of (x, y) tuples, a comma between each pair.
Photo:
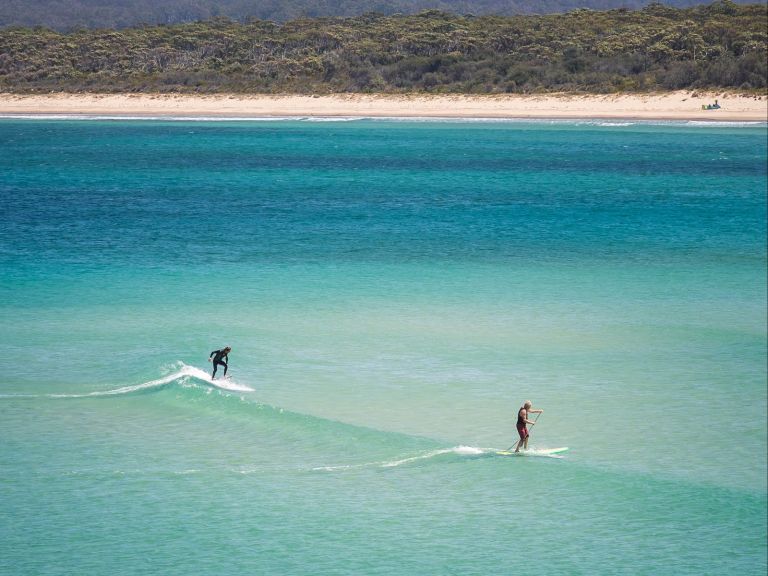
[(537, 411)]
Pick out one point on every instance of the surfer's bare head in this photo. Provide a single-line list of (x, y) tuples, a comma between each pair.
[(527, 404), (227, 349)]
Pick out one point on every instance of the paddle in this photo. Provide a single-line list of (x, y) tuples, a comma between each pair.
[(529, 434)]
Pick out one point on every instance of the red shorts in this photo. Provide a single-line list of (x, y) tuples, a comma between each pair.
[(523, 431)]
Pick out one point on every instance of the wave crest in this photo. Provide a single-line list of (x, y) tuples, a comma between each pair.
[(182, 374)]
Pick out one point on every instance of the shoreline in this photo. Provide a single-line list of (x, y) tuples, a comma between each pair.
[(679, 105)]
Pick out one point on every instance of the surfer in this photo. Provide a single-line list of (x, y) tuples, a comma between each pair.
[(219, 357), (522, 421)]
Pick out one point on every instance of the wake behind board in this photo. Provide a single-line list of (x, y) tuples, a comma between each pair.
[(541, 452)]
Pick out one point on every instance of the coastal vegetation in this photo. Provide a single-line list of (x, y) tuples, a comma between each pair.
[(719, 46), (67, 15)]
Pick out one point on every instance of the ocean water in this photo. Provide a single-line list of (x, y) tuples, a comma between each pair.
[(392, 291)]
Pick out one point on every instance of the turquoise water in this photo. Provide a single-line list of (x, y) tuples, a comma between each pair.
[(392, 291)]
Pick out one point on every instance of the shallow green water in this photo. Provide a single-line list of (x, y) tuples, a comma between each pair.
[(392, 292)]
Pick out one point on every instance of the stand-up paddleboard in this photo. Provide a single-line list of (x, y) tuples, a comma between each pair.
[(534, 452)]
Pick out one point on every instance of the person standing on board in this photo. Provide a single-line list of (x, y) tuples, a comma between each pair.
[(522, 420), (219, 357)]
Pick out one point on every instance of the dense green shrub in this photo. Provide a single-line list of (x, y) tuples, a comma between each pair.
[(718, 46)]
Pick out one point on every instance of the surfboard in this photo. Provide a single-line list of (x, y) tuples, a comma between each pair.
[(540, 452)]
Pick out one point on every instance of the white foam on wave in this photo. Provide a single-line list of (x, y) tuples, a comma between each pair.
[(223, 383), (335, 118), (442, 119), (468, 450), (725, 123), (425, 456), (160, 382), (541, 452), (617, 124), (182, 374), (342, 467), (464, 451), (458, 450)]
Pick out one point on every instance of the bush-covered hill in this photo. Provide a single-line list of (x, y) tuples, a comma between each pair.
[(70, 14), (718, 46)]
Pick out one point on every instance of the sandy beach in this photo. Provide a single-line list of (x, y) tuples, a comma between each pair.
[(668, 106)]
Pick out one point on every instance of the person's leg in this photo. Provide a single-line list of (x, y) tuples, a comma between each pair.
[(225, 368), (523, 438), (215, 365)]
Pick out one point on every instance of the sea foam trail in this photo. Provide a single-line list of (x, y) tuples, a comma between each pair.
[(458, 450), (463, 451), (182, 374)]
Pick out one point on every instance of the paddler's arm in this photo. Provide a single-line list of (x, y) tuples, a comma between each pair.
[(532, 411)]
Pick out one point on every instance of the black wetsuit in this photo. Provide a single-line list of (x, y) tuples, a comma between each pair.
[(217, 359)]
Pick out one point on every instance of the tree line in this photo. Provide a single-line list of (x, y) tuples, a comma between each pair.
[(719, 46)]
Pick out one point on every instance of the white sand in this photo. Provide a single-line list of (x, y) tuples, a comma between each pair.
[(668, 106)]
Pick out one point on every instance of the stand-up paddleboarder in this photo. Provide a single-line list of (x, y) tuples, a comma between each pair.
[(522, 421)]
